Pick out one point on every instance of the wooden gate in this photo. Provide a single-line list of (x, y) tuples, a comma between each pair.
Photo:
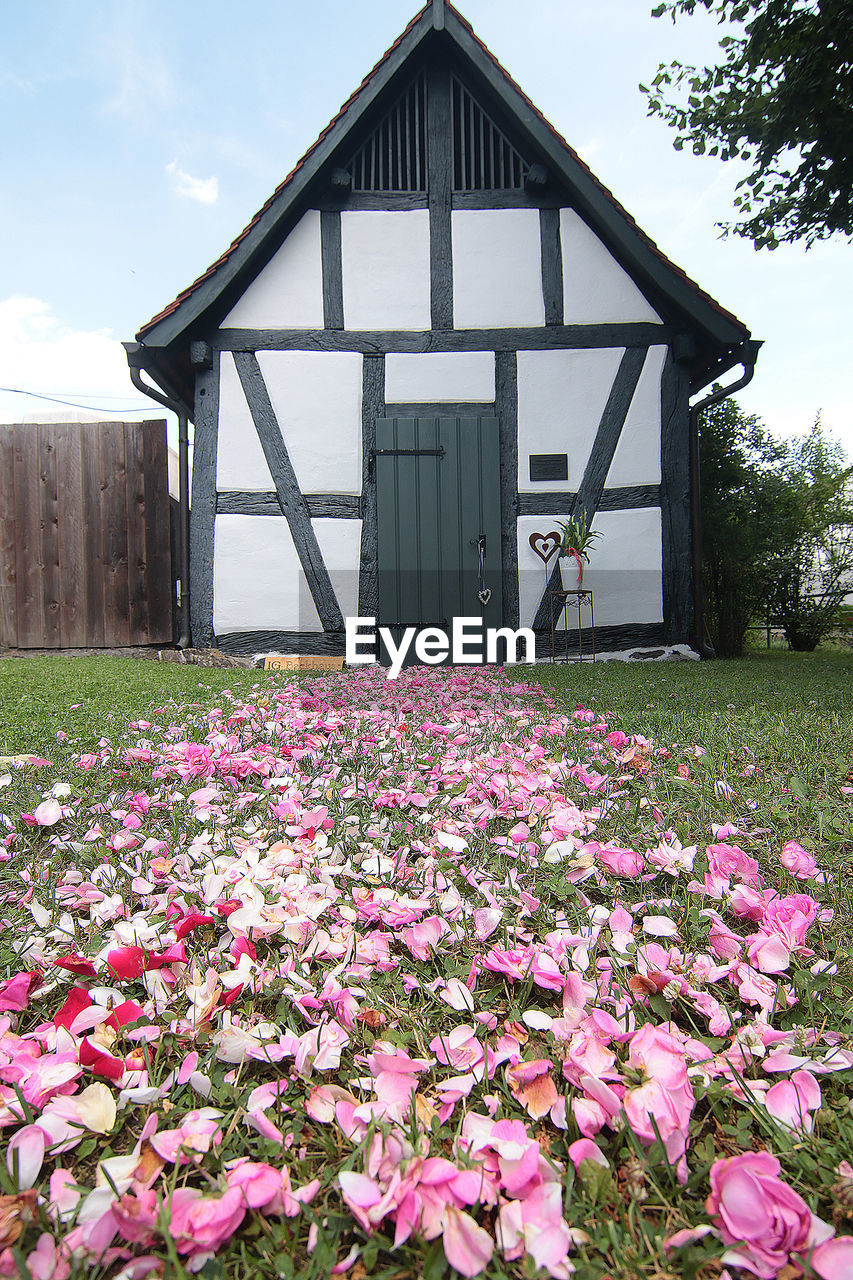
[(84, 535), (438, 521)]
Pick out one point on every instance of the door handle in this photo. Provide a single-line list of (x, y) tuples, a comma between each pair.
[(484, 593)]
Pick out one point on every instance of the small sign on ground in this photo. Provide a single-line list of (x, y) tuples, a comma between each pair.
[(302, 662)]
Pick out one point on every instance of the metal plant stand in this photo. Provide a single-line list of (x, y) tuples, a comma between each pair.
[(546, 546), (560, 601)]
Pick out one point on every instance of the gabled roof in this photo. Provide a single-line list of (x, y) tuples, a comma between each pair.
[(717, 329)]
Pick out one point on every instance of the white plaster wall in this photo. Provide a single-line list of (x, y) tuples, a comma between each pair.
[(596, 290), (440, 377), (497, 268), (240, 461), (561, 397), (258, 583), (316, 396), (386, 273), (288, 293), (624, 570), (340, 543), (625, 567), (637, 456)]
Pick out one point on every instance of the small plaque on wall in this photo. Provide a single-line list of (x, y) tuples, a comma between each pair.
[(549, 466)]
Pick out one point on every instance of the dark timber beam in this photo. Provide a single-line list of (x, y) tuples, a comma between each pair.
[(203, 508), (609, 430), (320, 642), (250, 502), (608, 639), (552, 265), (333, 275), (505, 200), (612, 638), (372, 407), (291, 501), (506, 407), (575, 337), (441, 409), (675, 501), (440, 194), (395, 201), (384, 201), (589, 494), (627, 498)]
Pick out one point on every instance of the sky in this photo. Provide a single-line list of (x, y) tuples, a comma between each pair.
[(137, 139)]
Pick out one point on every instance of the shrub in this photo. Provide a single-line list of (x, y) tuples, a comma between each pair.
[(777, 523)]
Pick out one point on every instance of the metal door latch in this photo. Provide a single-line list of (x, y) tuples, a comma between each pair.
[(408, 453)]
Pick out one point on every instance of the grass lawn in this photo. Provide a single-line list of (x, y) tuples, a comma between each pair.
[(456, 975), (805, 700)]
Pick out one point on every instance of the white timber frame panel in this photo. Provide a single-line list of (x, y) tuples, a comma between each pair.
[(497, 268), (340, 544), (561, 397), (624, 572), (385, 258), (443, 376), (637, 457), (240, 460), (316, 396), (596, 290), (288, 292), (258, 583), (625, 567)]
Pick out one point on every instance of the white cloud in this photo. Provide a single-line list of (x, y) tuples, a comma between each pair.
[(205, 190), (591, 147), (39, 353), (141, 86), (138, 86)]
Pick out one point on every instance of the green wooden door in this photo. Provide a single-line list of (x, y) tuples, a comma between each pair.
[(439, 521)]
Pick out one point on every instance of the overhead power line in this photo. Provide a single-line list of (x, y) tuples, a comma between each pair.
[(90, 408)]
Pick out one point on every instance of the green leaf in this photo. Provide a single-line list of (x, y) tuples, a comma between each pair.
[(369, 1255), (212, 1269), (799, 787), (435, 1263)]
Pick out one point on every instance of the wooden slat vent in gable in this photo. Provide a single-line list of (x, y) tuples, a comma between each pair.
[(394, 157), (483, 157)]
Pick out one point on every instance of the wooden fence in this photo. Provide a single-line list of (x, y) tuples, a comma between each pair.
[(85, 559)]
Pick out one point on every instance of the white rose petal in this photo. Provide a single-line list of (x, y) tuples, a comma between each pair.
[(536, 1019), (660, 927)]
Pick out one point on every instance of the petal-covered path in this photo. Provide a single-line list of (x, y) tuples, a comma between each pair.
[(367, 975)]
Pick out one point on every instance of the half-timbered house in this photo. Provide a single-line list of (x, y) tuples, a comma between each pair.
[(440, 334)]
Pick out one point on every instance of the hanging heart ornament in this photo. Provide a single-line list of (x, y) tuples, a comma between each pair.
[(545, 544), (485, 595)]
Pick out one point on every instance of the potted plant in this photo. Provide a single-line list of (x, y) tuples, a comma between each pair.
[(577, 540)]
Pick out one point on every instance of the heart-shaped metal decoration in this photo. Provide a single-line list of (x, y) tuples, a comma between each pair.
[(485, 595), (545, 544)]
